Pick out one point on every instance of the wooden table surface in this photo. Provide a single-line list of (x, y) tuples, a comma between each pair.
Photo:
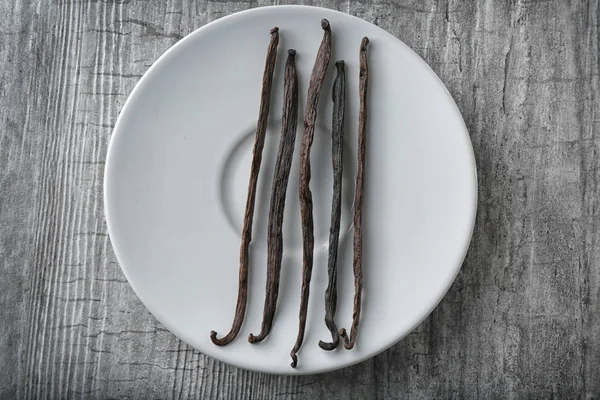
[(522, 319)]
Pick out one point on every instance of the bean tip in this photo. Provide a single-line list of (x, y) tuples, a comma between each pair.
[(340, 64), (273, 30), (325, 25), (291, 52), (327, 345), (251, 338), (294, 360), (364, 43), (345, 338), (225, 340)]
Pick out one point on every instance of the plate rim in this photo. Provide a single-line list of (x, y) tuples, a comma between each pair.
[(117, 132)]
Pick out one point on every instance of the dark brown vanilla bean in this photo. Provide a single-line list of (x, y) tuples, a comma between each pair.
[(310, 116), (363, 83), (337, 136), (259, 142), (278, 191)]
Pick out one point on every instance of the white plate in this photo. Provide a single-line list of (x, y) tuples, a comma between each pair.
[(177, 174)]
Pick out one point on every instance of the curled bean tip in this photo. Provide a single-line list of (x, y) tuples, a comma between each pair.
[(220, 342), (275, 29), (328, 345), (325, 25)]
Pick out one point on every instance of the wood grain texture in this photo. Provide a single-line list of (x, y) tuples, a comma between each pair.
[(522, 319)]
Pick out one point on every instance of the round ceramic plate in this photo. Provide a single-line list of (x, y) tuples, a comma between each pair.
[(177, 174)]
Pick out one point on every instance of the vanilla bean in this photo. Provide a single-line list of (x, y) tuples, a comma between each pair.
[(259, 142), (337, 136), (278, 191), (358, 197), (310, 115)]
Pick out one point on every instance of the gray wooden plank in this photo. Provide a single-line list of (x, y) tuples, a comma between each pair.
[(522, 319)]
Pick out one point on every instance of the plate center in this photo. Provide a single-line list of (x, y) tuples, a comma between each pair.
[(235, 173)]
